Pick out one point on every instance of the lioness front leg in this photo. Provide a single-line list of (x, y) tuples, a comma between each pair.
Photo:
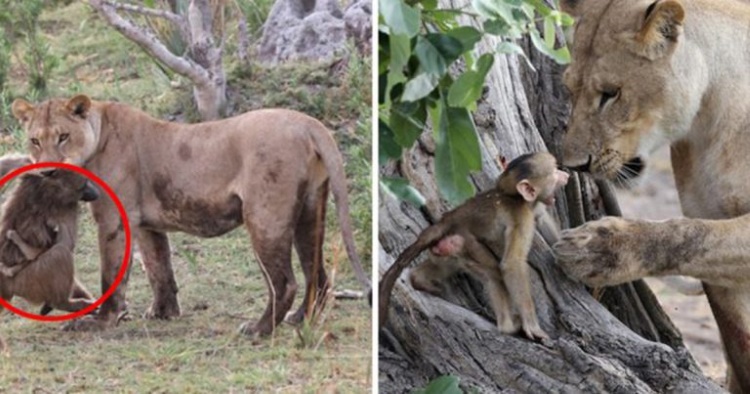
[(613, 250), (112, 248), (154, 247)]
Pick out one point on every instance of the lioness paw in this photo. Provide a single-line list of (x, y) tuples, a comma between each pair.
[(598, 253)]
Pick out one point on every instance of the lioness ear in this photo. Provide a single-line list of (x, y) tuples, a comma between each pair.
[(22, 110), (79, 105), (662, 27)]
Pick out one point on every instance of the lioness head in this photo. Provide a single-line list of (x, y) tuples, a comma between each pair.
[(59, 130), (624, 88)]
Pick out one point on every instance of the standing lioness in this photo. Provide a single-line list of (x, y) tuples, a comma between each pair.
[(269, 170)]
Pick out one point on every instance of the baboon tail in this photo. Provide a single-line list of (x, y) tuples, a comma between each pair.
[(334, 164), (428, 237)]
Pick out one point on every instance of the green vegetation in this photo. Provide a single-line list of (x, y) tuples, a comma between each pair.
[(221, 285), (447, 384), (419, 45)]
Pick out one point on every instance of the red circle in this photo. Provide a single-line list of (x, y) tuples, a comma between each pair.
[(125, 225)]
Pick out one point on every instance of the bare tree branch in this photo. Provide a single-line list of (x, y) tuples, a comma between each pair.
[(145, 11), (151, 44)]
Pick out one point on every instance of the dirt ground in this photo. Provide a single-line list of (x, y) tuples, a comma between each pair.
[(656, 198)]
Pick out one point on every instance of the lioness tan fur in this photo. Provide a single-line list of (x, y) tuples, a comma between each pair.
[(268, 169), (644, 73)]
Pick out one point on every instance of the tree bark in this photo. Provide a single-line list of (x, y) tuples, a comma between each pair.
[(203, 65), (621, 343)]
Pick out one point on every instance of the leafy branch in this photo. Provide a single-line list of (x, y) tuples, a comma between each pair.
[(418, 45)]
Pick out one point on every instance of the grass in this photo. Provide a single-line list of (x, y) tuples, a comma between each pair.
[(221, 285)]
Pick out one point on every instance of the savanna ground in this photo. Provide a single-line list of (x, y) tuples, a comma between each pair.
[(220, 284), (656, 198)]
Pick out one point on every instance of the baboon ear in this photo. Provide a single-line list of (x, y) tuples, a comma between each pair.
[(527, 190), (79, 105), (22, 110), (661, 28)]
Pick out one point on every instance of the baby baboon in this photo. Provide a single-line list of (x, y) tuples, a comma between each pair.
[(497, 222), (38, 230)]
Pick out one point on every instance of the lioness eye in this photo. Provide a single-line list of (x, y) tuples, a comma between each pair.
[(35, 141), (607, 95), (64, 137)]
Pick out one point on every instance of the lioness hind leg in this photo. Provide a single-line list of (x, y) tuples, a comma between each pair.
[(275, 260), (309, 234)]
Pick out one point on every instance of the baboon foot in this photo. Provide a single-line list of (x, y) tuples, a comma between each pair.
[(535, 333)]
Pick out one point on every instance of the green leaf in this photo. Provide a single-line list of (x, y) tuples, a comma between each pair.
[(507, 47), (549, 32), (467, 89), (467, 36), (565, 19), (401, 18), (541, 7), (560, 55), (148, 3), (493, 9), (407, 122), (400, 50), (447, 384), (520, 16), (401, 189), (419, 87), (387, 146), (444, 18), (429, 4), (456, 151), (497, 27), (436, 52)]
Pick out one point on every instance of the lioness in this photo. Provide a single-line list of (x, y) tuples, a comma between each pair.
[(645, 72), (268, 169)]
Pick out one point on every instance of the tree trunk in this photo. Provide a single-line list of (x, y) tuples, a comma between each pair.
[(622, 342), (210, 96), (203, 65)]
